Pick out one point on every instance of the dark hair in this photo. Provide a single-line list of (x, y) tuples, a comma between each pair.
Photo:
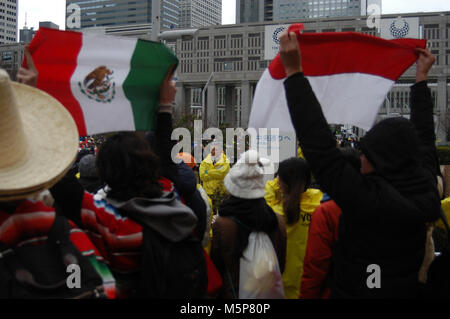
[(127, 165), (296, 175), (352, 156)]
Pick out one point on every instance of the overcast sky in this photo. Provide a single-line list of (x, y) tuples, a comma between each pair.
[(54, 10)]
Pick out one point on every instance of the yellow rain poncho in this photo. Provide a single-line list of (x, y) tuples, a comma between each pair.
[(212, 175), (445, 203), (297, 234)]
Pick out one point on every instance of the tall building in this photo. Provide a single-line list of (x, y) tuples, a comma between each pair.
[(102, 13), (26, 34), (365, 6), (200, 13), (254, 11), (291, 10), (229, 60), (8, 21), (48, 24), (279, 10)]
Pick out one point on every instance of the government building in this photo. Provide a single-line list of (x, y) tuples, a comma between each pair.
[(220, 67)]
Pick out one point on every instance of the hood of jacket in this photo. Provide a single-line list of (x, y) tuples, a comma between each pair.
[(220, 159), (393, 147), (254, 214), (165, 215), (310, 199)]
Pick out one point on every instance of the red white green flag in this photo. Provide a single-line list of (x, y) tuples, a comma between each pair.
[(107, 83)]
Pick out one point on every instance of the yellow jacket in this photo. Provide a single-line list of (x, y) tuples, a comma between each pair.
[(297, 234), (206, 242), (300, 152), (212, 175), (445, 203)]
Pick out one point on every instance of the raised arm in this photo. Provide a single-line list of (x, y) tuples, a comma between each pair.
[(164, 124), (335, 175), (28, 75), (422, 111), (163, 135)]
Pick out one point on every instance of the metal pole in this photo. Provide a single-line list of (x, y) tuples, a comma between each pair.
[(204, 119), (388, 107), (156, 19)]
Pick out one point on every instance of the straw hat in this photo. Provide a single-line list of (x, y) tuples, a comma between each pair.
[(38, 140)]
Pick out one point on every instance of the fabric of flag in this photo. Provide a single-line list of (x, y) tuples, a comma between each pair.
[(107, 83), (350, 74)]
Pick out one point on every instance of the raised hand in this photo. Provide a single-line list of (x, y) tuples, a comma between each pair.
[(290, 53), (168, 89), (424, 64), (28, 75)]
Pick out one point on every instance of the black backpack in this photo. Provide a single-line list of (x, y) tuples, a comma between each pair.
[(438, 283), (40, 271), (172, 270)]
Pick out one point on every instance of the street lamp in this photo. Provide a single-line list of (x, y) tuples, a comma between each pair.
[(204, 119)]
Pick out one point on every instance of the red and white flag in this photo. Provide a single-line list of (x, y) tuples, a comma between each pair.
[(350, 74)]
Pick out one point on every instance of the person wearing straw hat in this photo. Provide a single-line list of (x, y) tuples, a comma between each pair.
[(29, 165), (139, 198)]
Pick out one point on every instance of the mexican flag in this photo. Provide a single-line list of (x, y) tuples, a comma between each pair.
[(350, 74), (107, 83)]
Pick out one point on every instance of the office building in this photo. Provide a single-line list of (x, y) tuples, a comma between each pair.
[(254, 11), (106, 13), (200, 13), (11, 57), (26, 34), (48, 24), (281, 10), (230, 59), (8, 21), (291, 10)]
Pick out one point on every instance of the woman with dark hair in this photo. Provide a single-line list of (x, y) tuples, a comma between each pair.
[(289, 195), (139, 203), (128, 166)]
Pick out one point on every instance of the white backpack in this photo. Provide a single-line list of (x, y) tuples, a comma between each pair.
[(260, 276)]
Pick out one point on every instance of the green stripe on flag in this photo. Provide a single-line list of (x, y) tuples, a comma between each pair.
[(149, 64)]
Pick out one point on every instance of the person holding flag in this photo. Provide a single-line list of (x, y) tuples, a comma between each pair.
[(386, 205)]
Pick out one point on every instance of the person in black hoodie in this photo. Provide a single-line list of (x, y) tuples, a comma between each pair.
[(244, 212), (385, 206)]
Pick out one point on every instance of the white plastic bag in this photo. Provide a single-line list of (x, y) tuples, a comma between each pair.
[(260, 276)]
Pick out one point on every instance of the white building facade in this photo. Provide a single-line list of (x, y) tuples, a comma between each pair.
[(200, 13), (9, 13)]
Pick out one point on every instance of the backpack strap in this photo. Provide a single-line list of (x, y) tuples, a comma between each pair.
[(60, 235), (231, 283), (240, 223)]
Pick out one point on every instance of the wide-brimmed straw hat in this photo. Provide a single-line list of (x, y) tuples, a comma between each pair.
[(38, 140)]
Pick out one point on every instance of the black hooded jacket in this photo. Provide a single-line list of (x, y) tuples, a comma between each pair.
[(384, 214)]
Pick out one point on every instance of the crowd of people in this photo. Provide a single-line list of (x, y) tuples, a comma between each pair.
[(140, 225)]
